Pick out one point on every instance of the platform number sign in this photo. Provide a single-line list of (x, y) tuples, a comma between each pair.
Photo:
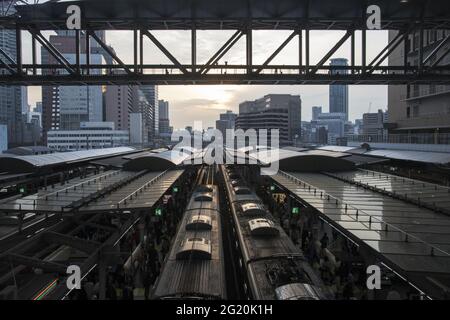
[(22, 190), (175, 189), (272, 188), (295, 210), (158, 212)]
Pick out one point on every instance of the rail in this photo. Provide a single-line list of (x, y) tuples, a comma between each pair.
[(388, 226)]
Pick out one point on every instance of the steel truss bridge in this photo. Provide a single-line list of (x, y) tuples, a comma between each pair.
[(243, 16)]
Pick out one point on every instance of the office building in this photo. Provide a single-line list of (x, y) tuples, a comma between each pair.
[(165, 130), (90, 135), (339, 92), (151, 94), (3, 137), (273, 111), (119, 104), (65, 107), (316, 110), (417, 108), (373, 123), (333, 123), (142, 106), (10, 96), (227, 121)]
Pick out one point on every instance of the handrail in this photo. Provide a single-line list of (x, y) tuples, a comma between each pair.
[(143, 187), (407, 235)]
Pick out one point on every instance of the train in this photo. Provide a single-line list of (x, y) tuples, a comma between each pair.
[(194, 268), (273, 268)]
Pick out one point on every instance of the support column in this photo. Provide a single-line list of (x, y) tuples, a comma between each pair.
[(77, 51), (352, 58), (194, 49), (363, 50), (88, 51), (34, 53), (135, 46), (300, 50), (307, 50), (249, 49), (19, 50)]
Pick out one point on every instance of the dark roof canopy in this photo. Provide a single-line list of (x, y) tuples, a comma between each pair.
[(232, 14)]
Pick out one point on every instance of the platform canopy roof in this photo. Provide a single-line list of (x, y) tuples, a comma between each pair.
[(157, 161), (35, 162)]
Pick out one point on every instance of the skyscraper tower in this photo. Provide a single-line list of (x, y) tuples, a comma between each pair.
[(339, 92), (10, 96)]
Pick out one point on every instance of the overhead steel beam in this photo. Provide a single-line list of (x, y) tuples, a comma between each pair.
[(389, 51), (438, 60), (222, 51), (86, 246), (52, 50), (37, 263), (331, 52), (10, 60), (436, 50), (109, 51), (165, 51), (277, 51)]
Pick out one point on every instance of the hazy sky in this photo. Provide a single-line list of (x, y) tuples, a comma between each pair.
[(190, 103)]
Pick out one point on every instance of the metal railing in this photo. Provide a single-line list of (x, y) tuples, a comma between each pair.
[(387, 226), (419, 138)]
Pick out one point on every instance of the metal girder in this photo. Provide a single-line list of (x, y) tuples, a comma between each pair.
[(215, 15), (36, 263), (86, 246), (332, 51), (109, 51), (277, 51), (52, 50), (436, 50), (222, 51), (164, 50)]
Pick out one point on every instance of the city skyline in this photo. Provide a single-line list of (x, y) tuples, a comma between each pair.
[(210, 101)]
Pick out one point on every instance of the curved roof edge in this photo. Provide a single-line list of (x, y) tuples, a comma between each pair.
[(157, 161)]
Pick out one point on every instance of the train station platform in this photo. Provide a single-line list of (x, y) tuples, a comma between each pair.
[(411, 240)]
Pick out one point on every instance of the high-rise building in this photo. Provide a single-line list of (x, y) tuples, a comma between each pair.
[(142, 106), (65, 107), (90, 135), (273, 111), (334, 123), (373, 123), (119, 104), (10, 96), (226, 121), (316, 110), (164, 122), (151, 94), (3, 138), (420, 108), (38, 107), (339, 92)]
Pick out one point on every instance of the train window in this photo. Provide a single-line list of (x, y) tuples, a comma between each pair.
[(199, 222), (263, 227), (296, 291), (195, 248), (253, 209), (204, 197), (242, 190)]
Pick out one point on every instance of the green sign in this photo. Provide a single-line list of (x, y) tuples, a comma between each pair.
[(175, 189), (22, 190), (295, 210), (272, 188), (158, 212)]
